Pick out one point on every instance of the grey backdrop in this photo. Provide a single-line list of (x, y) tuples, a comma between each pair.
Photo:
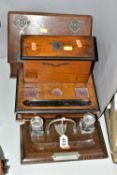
[(104, 28)]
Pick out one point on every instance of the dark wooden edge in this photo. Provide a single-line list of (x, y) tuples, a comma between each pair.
[(55, 111), (60, 57), (59, 102), (57, 58), (16, 92), (49, 111), (96, 53), (103, 112), (95, 91), (96, 48), (46, 14)]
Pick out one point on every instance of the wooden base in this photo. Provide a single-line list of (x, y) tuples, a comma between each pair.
[(41, 149)]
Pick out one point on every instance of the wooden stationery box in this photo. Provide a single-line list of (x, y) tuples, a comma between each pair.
[(62, 59), (54, 82), (46, 148), (29, 23)]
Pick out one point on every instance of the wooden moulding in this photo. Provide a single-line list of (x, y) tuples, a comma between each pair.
[(44, 91), (42, 24), (39, 150), (28, 117)]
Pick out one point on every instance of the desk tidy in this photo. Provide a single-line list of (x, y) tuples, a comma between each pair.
[(55, 93)]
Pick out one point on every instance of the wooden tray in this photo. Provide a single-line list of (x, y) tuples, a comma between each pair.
[(48, 92), (44, 148), (41, 24)]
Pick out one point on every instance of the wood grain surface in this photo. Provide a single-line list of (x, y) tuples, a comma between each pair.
[(69, 47)]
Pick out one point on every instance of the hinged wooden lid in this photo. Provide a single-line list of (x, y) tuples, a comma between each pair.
[(58, 48)]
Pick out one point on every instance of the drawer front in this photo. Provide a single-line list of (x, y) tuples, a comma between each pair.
[(57, 71)]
